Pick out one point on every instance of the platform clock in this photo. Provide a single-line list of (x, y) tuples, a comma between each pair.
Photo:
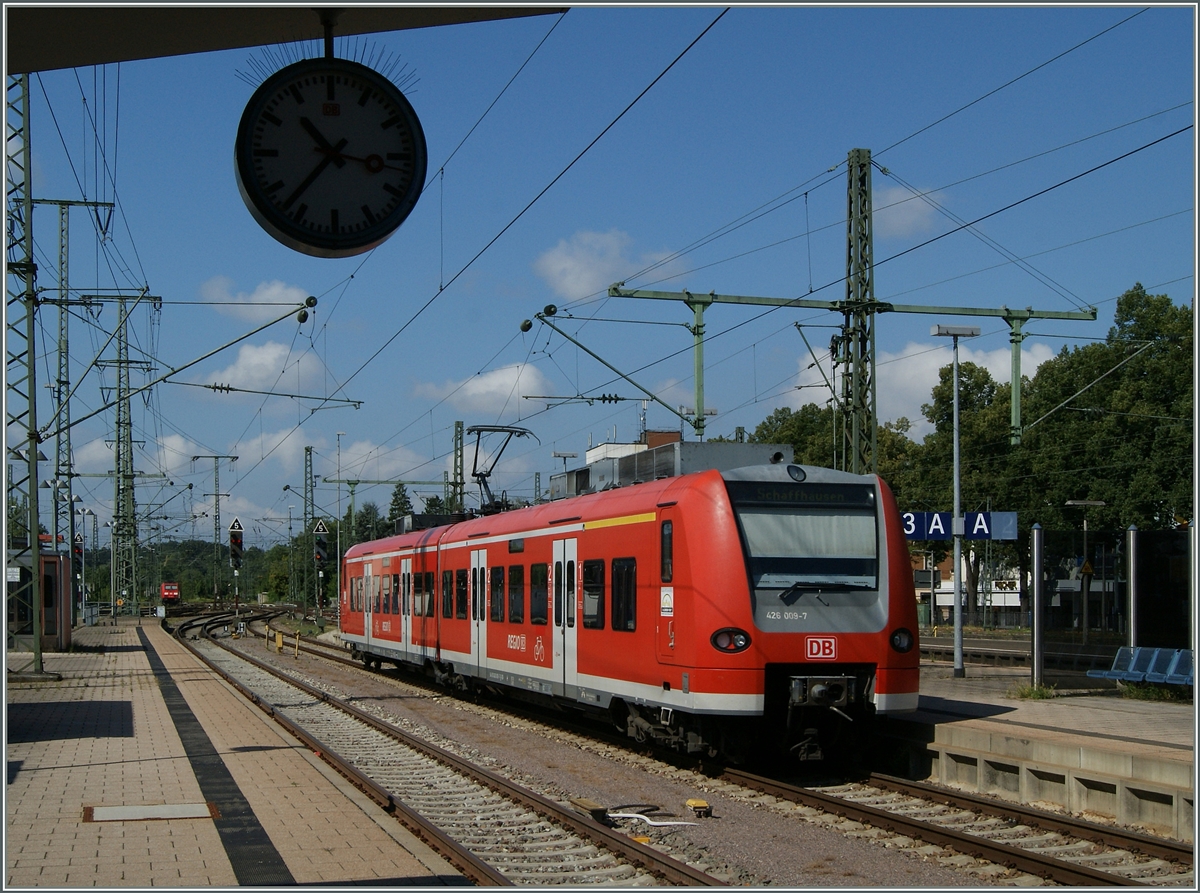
[(330, 157)]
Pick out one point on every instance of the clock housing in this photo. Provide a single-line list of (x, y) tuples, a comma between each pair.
[(330, 157)]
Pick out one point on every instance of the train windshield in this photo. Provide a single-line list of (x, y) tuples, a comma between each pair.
[(808, 538)]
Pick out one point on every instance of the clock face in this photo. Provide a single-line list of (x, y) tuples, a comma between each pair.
[(330, 157)]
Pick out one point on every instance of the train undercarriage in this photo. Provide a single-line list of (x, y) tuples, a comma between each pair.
[(808, 717)]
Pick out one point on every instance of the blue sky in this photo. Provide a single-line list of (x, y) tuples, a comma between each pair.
[(760, 113)]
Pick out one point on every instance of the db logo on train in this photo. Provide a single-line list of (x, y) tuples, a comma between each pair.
[(820, 647)]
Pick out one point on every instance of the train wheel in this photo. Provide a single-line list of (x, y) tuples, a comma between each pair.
[(366, 659)]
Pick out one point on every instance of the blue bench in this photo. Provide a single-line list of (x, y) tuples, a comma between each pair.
[(1170, 666), (1120, 666), (1180, 671)]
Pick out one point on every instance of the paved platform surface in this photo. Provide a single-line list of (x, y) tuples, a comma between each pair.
[(1087, 709), (139, 768)]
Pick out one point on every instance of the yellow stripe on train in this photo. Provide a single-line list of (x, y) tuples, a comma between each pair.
[(616, 522)]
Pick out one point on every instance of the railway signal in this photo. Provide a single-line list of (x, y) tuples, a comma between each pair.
[(235, 544), (320, 552)]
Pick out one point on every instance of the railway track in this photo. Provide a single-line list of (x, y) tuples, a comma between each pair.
[(1061, 849), (491, 829), (1057, 848)]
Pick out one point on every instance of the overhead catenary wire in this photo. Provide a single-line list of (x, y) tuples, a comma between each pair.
[(441, 290), (1009, 83), (708, 338), (810, 284), (772, 205)]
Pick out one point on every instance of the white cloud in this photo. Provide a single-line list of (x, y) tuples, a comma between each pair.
[(269, 300), (676, 393), (495, 393), (175, 453), (93, 457), (367, 460), (589, 263), (896, 212), (270, 366), (905, 379), (285, 446)]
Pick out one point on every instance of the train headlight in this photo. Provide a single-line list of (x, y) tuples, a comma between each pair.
[(902, 641), (730, 640)]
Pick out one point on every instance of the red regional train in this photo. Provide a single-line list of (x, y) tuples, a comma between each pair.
[(169, 593), (711, 612)]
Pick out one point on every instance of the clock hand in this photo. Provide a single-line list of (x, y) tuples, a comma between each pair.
[(321, 141), (316, 172), (374, 163)]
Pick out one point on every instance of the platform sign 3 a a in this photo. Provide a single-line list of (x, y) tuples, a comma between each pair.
[(976, 525)]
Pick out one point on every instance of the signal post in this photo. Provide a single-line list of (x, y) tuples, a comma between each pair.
[(235, 560)]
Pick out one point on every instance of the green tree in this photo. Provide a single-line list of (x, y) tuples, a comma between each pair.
[(984, 459), (370, 523), (401, 505), (434, 505), (1112, 421), (809, 429)]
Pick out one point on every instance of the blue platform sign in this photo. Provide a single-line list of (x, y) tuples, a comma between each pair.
[(976, 525)]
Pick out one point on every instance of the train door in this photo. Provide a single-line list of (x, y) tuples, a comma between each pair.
[(672, 609), (422, 612), (479, 610), (404, 621), (565, 577), (368, 597)]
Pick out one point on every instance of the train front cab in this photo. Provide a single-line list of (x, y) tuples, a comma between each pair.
[(782, 615), (833, 611)]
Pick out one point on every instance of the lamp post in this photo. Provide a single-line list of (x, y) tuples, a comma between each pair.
[(565, 457), (291, 568), (957, 332), (83, 513), (338, 589), (112, 572), (1085, 575)]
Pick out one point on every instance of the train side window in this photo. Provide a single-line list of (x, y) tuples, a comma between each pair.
[(404, 591), (387, 593), (378, 594), (593, 594), (538, 593), (429, 593), (570, 594), (667, 542), (447, 593), (418, 598), (558, 593), (460, 594), (497, 603), (624, 594), (516, 593)]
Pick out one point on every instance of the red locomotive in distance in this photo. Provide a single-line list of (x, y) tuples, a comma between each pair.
[(169, 593), (711, 612)]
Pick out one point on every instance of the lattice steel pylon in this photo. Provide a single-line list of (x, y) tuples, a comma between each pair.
[(24, 620), (125, 531), (455, 502), (217, 531), (858, 337), (63, 482)]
